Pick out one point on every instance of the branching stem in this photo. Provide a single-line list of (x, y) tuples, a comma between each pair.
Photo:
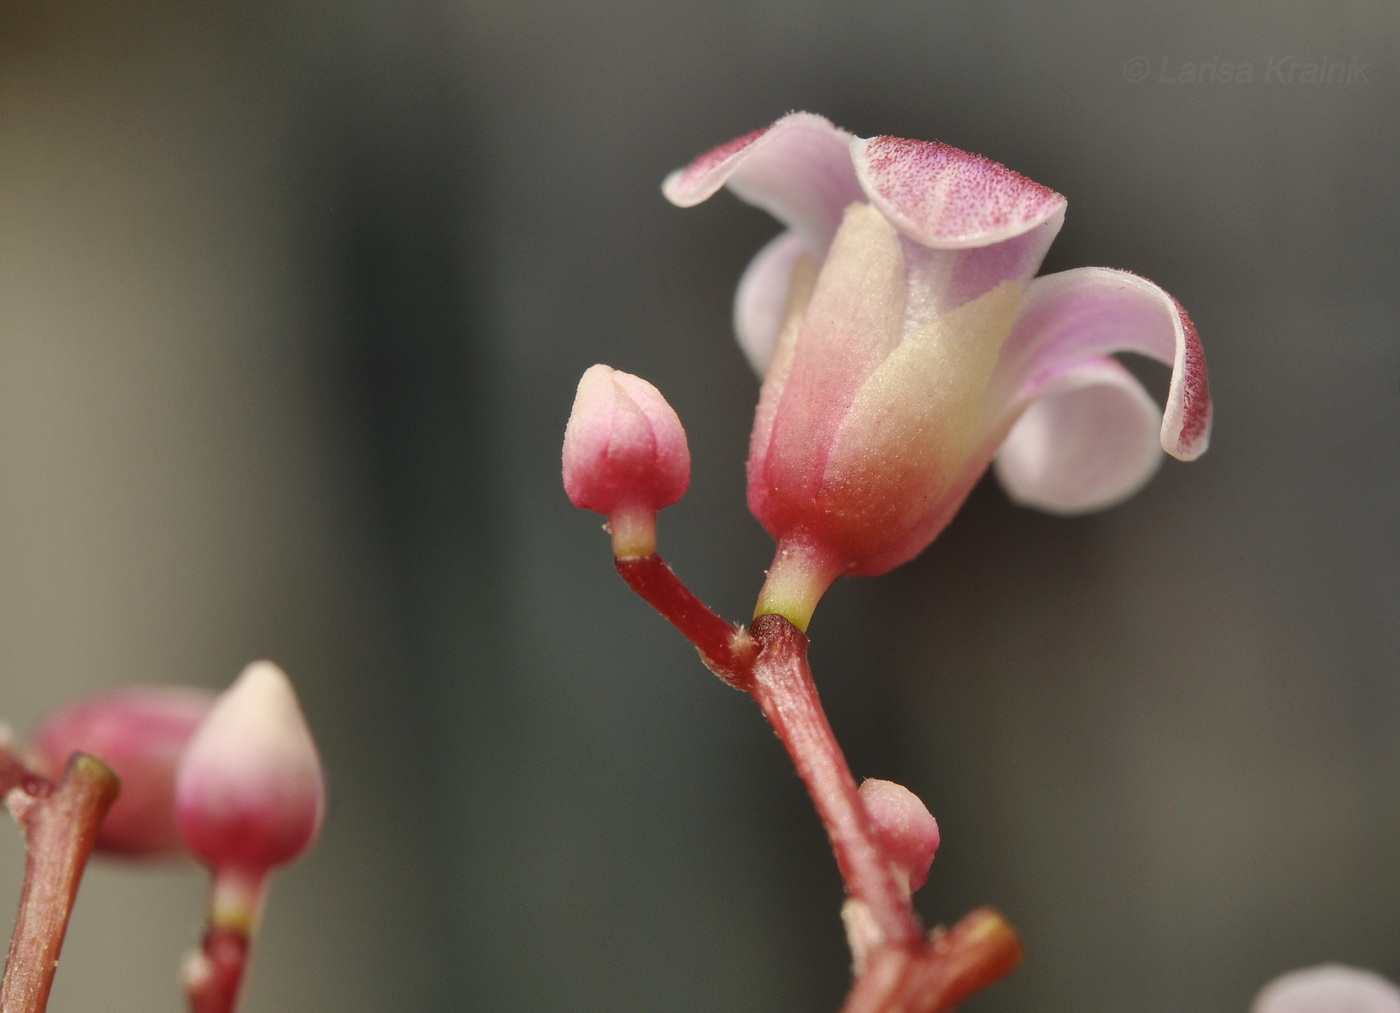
[(899, 969), (60, 821)]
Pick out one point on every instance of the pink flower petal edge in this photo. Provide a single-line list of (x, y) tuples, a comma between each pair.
[(799, 170), (946, 198), (1095, 311), (804, 171)]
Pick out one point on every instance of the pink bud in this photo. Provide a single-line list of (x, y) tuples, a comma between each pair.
[(249, 792), (625, 456), (139, 732), (905, 828)]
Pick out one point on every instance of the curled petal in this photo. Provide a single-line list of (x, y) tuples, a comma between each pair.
[(1095, 311), (798, 170), (760, 304), (1329, 988), (949, 199), (1086, 440)]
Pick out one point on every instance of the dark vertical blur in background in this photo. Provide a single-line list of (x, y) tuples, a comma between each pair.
[(293, 299)]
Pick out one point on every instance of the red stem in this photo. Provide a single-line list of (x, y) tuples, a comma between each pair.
[(726, 650), (900, 970), (978, 952), (60, 825), (785, 691), (15, 774), (214, 976)]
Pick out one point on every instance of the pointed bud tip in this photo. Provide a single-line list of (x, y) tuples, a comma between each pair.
[(250, 792)]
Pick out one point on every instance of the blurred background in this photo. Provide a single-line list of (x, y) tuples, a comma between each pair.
[(293, 300)]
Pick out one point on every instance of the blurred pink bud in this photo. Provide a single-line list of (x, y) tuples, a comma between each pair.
[(905, 828), (1329, 988), (139, 732), (625, 456), (249, 792)]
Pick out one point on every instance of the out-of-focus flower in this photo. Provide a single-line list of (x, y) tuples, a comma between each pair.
[(139, 732), (249, 792), (905, 343), (625, 456), (1329, 988)]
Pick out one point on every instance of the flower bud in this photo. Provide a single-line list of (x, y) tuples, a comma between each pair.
[(249, 792), (906, 830), (1328, 988), (625, 456), (139, 732)]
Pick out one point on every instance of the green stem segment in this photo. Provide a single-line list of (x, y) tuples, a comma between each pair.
[(801, 573)]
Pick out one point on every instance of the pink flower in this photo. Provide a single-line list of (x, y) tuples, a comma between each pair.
[(1329, 988), (905, 344), (140, 733), (625, 456)]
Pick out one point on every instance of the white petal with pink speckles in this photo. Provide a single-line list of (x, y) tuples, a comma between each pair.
[(798, 170), (1093, 311), (949, 199)]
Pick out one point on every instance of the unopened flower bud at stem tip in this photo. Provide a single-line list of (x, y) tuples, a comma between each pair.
[(250, 793), (625, 456)]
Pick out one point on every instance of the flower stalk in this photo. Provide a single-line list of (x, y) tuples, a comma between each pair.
[(60, 821), (726, 650), (898, 967), (785, 692), (250, 795)]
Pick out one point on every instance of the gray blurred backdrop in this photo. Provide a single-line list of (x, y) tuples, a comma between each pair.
[(293, 299)]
